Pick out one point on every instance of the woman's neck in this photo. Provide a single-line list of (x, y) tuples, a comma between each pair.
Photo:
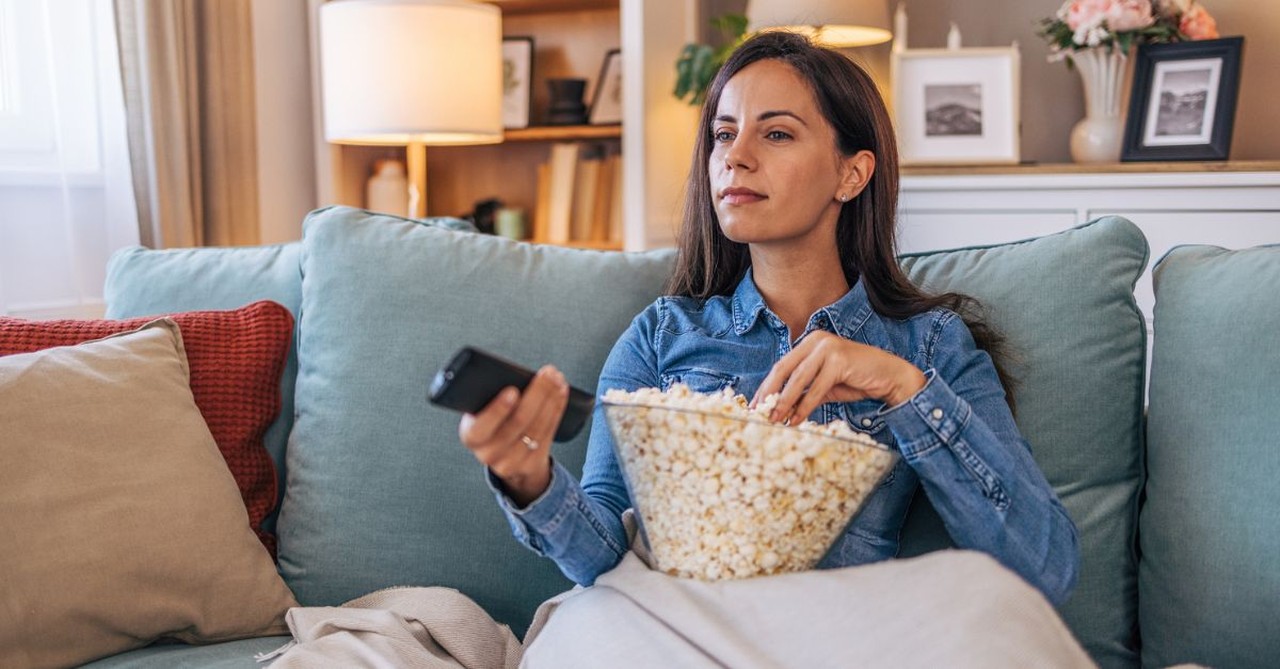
[(797, 285)]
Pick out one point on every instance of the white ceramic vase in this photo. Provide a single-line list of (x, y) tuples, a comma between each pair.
[(1098, 136)]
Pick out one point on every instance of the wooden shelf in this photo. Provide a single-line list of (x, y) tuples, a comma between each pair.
[(563, 133), (517, 7), (1096, 168)]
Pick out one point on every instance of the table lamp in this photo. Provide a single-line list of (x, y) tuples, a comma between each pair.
[(411, 73), (835, 23)]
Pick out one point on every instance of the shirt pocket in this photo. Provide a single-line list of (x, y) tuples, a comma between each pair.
[(700, 380)]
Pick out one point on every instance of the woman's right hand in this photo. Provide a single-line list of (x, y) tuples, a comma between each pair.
[(512, 434)]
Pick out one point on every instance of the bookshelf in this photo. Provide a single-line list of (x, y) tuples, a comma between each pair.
[(571, 39)]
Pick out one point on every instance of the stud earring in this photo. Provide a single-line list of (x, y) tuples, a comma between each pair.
[(844, 197)]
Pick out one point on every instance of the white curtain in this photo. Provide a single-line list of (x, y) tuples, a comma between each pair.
[(66, 196)]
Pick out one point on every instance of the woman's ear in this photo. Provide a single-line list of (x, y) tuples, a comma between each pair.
[(855, 172)]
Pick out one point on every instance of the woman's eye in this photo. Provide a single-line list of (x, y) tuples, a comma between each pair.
[(723, 136), (778, 135)]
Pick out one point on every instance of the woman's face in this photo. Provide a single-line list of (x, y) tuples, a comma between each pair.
[(775, 171)]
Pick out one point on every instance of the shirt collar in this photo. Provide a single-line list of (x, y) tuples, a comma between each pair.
[(847, 314)]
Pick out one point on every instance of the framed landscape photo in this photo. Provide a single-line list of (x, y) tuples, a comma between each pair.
[(517, 77), (606, 102), (956, 106), (1183, 103)]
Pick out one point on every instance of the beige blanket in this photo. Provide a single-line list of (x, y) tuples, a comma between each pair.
[(409, 628), (947, 609)]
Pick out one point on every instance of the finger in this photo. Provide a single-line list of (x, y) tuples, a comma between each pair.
[(476, 429), (534, 440), (777, 376), (544, 426), (797, 384), (535, 395), (817, 393)]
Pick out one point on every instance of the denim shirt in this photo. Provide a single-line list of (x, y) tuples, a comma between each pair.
[(956, 436)]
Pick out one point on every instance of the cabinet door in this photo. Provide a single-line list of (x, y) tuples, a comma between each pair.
[(1167, 229), (929, 230)]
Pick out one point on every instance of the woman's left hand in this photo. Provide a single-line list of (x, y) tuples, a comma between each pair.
[(828, 368)]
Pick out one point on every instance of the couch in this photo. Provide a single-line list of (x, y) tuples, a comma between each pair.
[(1174, 490)]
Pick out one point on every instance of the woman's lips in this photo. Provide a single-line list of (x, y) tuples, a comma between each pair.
[(740, 196)]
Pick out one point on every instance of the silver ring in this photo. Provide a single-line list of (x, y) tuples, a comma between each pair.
[(530, 443)]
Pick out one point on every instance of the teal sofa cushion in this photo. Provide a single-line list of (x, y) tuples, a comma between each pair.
[(1209, 578), (1065, 302), (380, 490), (146, 282)]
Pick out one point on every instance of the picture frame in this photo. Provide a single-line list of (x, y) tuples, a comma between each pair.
[(1183, 102), (956, 106), (606, 100), (517, 81)]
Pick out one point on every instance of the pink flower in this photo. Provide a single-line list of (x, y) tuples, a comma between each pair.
[(1115, 15), (1197, 24), (1085, 13), (1125, 15)]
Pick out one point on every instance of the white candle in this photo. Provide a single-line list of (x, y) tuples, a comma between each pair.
[(953, 36), (900, 27)]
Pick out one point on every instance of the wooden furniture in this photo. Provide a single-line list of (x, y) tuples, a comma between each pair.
[(571, 38)]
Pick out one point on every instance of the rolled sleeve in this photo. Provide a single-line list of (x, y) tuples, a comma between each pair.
[(541, 516), (929, 419)]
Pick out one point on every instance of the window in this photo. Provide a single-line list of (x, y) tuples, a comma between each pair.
[(66, 199)]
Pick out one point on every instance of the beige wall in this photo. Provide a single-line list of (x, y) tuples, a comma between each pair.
[(1052, 98)]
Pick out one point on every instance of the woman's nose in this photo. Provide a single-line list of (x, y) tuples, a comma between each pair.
[(738, 154)]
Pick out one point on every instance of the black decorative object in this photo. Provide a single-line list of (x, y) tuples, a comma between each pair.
[(567, 107), (1183, 104)]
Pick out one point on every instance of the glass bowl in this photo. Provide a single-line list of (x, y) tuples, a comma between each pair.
[(722, 496)]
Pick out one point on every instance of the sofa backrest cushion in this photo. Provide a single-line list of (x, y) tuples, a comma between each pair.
[(1209, 576), (148, 282), (380, 491), (1065, 302)]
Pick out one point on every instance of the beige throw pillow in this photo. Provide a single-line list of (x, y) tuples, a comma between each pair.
[(120, 523)]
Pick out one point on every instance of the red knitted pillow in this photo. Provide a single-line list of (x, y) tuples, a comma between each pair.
[(236, 359)]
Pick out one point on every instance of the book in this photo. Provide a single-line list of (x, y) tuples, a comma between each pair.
[(604, 198), (585, 192), (542, 207), (563, 174)]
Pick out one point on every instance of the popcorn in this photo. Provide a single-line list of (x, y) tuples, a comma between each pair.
[(724, 493)]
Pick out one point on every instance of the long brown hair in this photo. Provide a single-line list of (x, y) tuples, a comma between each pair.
[(708, 263)]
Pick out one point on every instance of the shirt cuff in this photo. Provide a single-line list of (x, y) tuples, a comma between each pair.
[(543, 513), (930, 418)]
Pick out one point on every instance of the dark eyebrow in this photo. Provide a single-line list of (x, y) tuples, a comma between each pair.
[(765, 116)]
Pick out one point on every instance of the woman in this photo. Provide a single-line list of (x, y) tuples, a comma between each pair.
[(787, 282)]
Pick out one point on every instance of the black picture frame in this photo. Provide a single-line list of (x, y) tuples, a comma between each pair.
[(517, 81), (606, 99), (1194, 124)]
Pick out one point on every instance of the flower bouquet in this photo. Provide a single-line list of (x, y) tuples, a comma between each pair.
[(1119, 25)]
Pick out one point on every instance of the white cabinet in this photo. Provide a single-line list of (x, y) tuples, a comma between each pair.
[(1233, 205)]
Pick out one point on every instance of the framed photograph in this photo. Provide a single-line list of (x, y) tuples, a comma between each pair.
[(1183, 103), (606, 102), (956, 106), (517, 78)]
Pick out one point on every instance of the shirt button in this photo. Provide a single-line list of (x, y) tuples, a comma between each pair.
[(866, 422), (936, 413)]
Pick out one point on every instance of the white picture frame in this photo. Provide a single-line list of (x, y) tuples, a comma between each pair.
[(606, 100), (957, 106), (517, 78)]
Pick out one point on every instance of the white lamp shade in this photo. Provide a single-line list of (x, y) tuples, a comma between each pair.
[(837, 23), (403, 71)]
